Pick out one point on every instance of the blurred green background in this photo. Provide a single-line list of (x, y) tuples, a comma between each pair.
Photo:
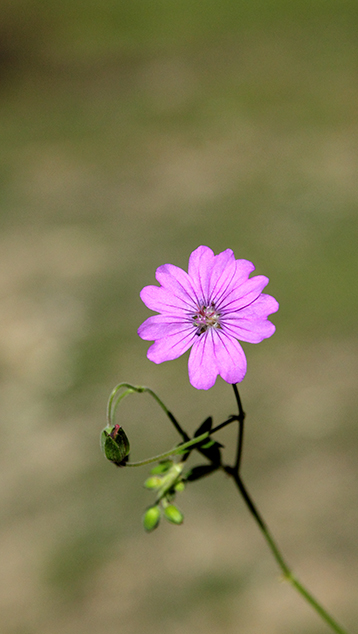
[(131, 132)]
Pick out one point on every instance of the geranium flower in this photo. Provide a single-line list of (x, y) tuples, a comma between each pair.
[(208, 309)]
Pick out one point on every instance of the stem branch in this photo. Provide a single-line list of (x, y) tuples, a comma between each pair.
[(179, 449)]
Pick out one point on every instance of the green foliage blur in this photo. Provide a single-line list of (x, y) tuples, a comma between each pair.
[(131, 133)]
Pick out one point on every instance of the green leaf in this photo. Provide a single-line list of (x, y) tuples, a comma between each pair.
[(210, 448), (196, 473), (205, 426)]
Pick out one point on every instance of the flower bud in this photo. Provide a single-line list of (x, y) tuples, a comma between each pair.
[(172, 514), (180, 486), (115, 444), (162, 467), (154, 482), (151, 518)]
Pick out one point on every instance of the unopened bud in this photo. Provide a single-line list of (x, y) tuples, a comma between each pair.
[(151, 518), (172, 514), (115, 444), (162, 467), (180, 486), (154, 482)]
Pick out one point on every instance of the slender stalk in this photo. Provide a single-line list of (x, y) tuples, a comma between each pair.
[(241, 420), (115, 398), (263, 527), (226, 422), (232, 471), (287, 572), (179, 449)]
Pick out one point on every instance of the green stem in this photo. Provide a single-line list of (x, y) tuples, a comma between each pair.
[(115, 399), (287, 572), (179, 449), (241, 420), (226, 422)]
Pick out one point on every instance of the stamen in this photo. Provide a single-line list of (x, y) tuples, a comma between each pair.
[(206, 317)]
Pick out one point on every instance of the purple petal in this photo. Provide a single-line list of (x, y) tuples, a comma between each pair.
[(230, 358), (171, 346), (251, 323), (243, 270), (248, 330), (243, 295), (202, 365), (200, 268), (232, 277), (223, 272), (262, 307), (178, 282), (222, 262), (163, 301), (159, 326)]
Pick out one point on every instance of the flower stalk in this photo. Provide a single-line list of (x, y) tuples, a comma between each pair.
[(116, 396), (175, 451), (152, 515), (288, 575)]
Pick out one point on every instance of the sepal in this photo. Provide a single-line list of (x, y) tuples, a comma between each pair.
[(205, 426)]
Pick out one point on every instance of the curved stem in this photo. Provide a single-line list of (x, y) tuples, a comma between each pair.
[(115, 399)]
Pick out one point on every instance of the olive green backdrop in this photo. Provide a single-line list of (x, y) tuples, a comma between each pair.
[(131, 132)]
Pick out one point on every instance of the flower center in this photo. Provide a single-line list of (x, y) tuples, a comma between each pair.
[(206, 317)]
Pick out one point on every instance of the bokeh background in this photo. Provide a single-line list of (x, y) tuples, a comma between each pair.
[(131, 132)]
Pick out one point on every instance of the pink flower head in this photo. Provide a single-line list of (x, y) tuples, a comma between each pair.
[(208, 309)]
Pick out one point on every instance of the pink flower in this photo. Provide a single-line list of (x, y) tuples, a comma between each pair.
[(208, 309)]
